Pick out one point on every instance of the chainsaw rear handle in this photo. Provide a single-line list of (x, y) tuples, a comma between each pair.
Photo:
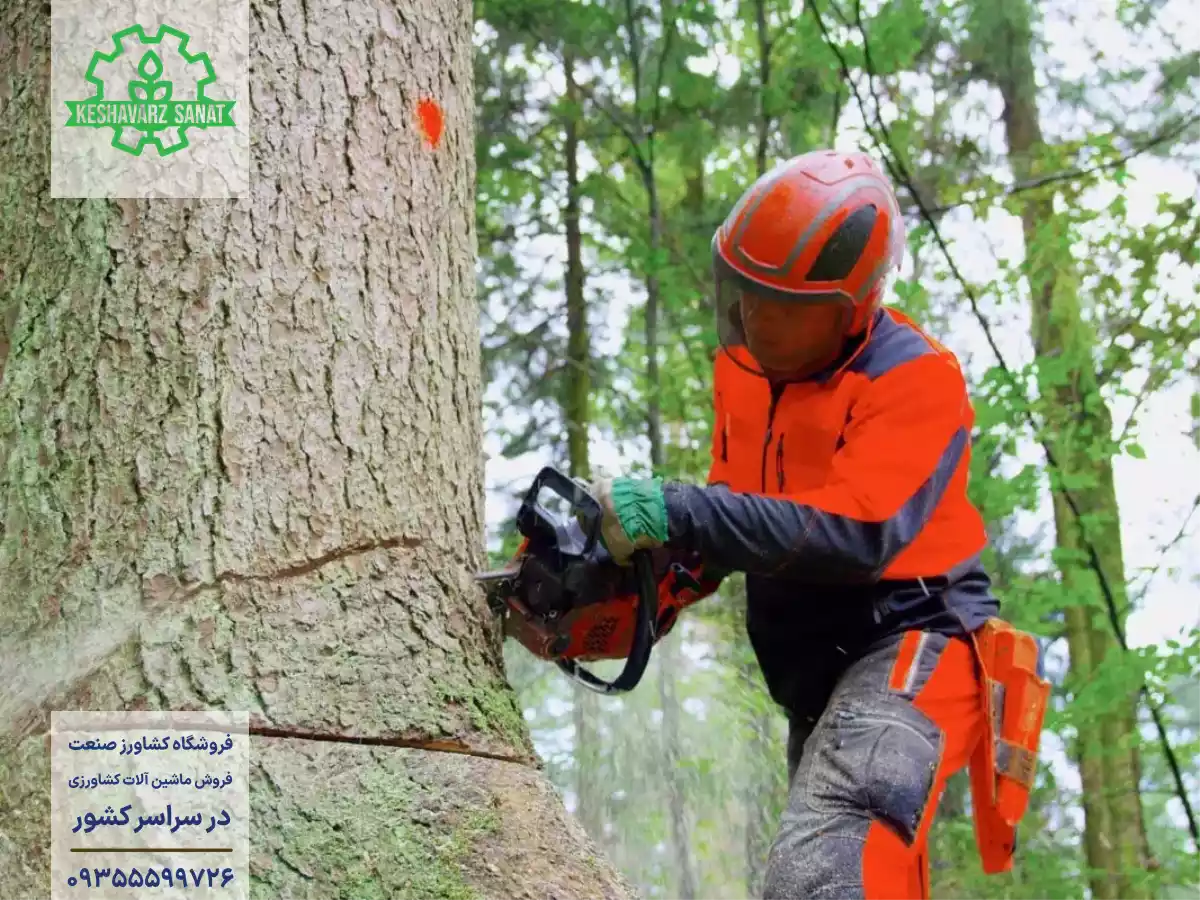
[(643, 636)]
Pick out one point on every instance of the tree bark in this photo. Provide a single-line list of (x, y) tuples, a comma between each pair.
[(224, 477), (1115, 834)]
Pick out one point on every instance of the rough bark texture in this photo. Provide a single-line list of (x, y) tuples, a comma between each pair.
[(224, 477), (1078, 420)]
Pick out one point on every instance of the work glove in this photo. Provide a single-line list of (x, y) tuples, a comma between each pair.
[(634, 515)]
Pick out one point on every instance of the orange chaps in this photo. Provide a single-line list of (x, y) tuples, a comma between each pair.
[(864, 789)]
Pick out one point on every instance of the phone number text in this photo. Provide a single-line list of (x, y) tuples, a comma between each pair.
[(152, 877)]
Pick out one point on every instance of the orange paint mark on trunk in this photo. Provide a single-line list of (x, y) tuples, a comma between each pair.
[(429, 114)]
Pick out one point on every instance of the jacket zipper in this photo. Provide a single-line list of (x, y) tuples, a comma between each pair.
[(779, 461), (776, 392)]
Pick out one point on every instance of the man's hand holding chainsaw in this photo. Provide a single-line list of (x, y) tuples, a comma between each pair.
[(839, 486), (635, 515)]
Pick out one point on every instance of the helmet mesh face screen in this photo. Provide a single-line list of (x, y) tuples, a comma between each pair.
[(731, 328), (729, 320)]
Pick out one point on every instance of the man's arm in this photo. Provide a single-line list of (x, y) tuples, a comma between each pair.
[(907, 436)]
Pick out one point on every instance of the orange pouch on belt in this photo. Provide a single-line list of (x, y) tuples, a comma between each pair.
[(1005, 762)]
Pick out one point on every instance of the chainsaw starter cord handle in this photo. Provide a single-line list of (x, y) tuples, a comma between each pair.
[(643, 635)]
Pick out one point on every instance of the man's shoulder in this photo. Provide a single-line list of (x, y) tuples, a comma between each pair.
[(896, 340)]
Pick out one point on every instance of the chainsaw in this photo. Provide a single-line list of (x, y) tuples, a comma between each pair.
[(566, 599)]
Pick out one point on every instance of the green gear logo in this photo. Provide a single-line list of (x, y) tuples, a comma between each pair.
[(155, 113)]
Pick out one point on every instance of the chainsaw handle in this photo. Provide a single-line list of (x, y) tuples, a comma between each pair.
[(643, 635)]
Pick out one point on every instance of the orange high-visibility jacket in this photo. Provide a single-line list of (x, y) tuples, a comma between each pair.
[(844, 498)]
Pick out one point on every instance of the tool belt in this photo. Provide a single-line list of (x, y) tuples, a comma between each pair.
[(1004, 763)]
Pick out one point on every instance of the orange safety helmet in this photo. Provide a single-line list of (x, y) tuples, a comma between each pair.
[(823, 227)]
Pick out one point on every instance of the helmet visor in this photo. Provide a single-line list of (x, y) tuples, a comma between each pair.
[(777, 333)]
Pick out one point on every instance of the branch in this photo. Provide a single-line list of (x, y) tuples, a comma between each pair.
[(680, 258), (1159, 375), (635, 59), (786, 29), (635, 148), (1167, 548), (764, 77), (1166, 134), (668, 36), (550, 45)]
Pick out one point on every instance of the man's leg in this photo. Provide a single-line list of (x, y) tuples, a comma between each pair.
[(900, 722)]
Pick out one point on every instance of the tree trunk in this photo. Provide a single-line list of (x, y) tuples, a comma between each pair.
[(224, 477), (763, 35), (762, 781), (1115, 835), (763, 786), (577, 407), (589, 795), (676, 799), (669, 660), (653, 397)]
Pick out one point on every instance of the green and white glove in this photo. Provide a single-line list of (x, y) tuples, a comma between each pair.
[(635, 515)]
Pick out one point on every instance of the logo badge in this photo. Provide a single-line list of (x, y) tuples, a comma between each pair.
[(150, 91)]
